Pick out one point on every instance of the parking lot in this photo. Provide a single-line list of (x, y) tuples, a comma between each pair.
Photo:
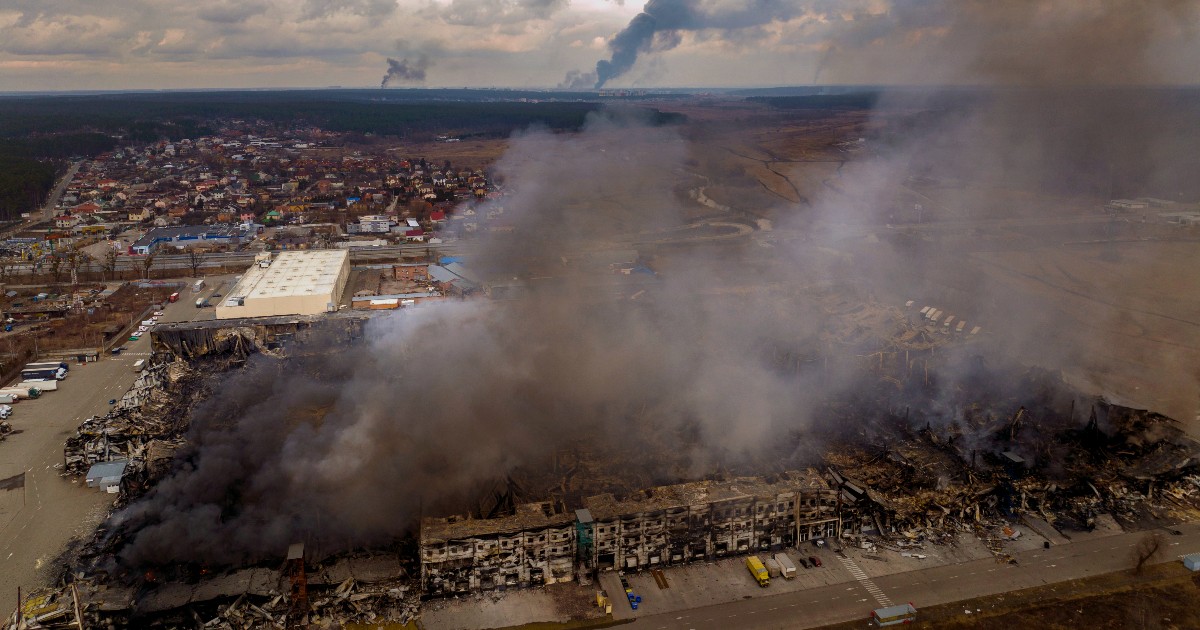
[(36, 522)]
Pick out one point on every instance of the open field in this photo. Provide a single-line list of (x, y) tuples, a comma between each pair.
[(1162, 597)]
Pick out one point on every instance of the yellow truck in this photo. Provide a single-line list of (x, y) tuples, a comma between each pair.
[(759, 571)]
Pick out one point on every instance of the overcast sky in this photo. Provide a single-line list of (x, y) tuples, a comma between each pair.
[(123, 44)]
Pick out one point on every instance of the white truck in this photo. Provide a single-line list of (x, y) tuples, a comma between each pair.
[(45, 386), (139, 365), (21, 392), (786, 567)]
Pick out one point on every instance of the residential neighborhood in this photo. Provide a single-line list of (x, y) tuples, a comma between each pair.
[(235, 188)]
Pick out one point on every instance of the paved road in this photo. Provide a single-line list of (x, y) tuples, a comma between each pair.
[(937, 585), (35, 525), (231, 259)]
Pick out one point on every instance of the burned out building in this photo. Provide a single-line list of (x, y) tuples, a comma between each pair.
[(661, 526), (710, 519), (535, 546)]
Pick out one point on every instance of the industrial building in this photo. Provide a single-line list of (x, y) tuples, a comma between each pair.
[(542, 543), (294, 283), (193, 235)]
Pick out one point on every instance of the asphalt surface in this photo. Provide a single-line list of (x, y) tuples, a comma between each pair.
[(937, 585), (37, 522)]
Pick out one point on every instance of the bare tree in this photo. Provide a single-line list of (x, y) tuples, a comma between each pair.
[(56, 267), (110, 263), (1148, 548), (195, 259), (73, 259), (147, 263)]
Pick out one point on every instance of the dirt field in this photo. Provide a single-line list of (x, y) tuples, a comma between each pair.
[(1163, 597), (1127, 312), (1109, 301)]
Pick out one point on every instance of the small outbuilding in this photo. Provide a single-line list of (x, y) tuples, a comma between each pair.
[(1192, 561), (107, 475), (894, 615)]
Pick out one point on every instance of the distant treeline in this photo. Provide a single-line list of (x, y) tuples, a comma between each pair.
[(38, 133), (148, 117), (23, 184)]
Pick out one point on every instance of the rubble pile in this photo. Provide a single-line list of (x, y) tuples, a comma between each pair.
[(145, 427), (134, 420), (350, 602), (344, 590), (985, 472)]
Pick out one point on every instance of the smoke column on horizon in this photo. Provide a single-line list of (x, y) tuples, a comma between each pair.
[(405, 70), (898, 42)]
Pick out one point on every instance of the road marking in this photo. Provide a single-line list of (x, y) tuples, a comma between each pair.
[(865, 581)]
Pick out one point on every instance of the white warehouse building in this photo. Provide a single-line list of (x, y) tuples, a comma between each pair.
[(295, 283)]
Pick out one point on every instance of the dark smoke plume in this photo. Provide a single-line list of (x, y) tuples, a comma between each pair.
[(659, 25), (908, 41), (347, 445), (405, 70), (577, 80)]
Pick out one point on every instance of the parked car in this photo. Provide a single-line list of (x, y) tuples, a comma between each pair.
[(803, 563), (158, 313), (816, 562), (134, 337)]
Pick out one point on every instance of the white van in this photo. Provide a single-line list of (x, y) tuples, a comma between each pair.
[(139, 365)]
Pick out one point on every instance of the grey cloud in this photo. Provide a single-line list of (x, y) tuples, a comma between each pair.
[(231, 12), (490, 12), (374, 9)]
